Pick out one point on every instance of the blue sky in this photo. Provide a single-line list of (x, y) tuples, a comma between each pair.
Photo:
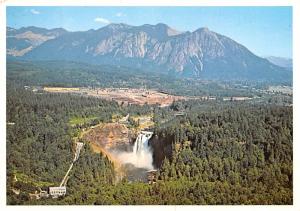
[(264, 30)]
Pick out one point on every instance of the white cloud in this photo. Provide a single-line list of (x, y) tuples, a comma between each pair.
[(120, 14), (35, 12), (101, 20)]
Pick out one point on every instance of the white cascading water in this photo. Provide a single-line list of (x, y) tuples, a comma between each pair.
[(142, 151), (141, 155)]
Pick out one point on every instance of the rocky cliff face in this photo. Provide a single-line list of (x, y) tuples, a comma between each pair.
[(157, 44), (202, 53), (110, 136)]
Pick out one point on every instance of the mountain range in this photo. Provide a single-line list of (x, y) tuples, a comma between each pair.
[(201, 53), (281, 61)]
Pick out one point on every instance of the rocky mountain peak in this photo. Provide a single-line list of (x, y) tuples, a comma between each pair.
[(117, 26), (203, 30), (201, 53)]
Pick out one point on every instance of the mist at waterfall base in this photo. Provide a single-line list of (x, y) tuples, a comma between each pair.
[(138, 160), (141, 154)]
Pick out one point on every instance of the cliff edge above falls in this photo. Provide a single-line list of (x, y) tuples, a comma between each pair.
[(110, 136)]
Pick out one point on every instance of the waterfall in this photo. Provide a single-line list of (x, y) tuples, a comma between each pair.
[(142, 150), (141, 143), (141, 154)]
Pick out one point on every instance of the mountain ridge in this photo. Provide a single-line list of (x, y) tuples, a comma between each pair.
[(281, 61), (201, 53)]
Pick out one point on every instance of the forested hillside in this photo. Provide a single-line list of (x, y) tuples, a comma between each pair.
[(216, 153), (39, 138), (245, 151)]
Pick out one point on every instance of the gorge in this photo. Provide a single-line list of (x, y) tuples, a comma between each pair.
[(132, 159)]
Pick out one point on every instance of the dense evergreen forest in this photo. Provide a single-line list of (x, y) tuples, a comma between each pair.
[(216, 153)]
